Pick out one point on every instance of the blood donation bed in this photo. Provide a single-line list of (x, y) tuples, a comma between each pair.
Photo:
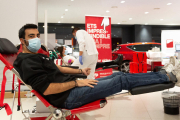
[(8, 53)]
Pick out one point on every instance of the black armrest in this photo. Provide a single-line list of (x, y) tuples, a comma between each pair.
[(151, 88), (111, 66), (79, 75), (74, 67)]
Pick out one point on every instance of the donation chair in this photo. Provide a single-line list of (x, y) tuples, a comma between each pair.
[(8, 53)]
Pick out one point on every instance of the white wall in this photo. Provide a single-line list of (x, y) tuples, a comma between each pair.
[(169, 36), (14, 14)]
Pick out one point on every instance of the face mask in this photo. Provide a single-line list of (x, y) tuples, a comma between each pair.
[(34, 44), (66, 52)]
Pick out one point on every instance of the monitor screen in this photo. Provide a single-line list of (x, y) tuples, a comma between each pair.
[(178, 47)]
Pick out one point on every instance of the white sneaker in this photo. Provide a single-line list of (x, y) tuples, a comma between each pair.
[(176, 72), (173, 60), (168, 67)]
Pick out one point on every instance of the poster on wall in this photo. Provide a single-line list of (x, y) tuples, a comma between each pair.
[(169, 40), (100, 29)]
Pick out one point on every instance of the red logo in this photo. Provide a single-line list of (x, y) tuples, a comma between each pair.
[(169, 43)]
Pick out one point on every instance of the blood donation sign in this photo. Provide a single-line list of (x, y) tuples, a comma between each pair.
[(100, 29)]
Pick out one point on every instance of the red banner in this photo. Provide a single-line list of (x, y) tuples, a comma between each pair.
[(100, 29)]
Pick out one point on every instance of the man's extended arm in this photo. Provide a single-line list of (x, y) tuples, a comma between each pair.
[(67, 70)]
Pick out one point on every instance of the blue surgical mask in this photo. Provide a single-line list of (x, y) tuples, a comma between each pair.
[(66, 52), (34, 44)]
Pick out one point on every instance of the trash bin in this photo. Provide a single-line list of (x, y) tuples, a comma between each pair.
[(171, 101)]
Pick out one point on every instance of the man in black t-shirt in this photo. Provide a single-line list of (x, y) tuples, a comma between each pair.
[(62, 90)]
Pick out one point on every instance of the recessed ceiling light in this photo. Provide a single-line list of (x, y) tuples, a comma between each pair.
[(43, 26), (59, 21), (161, 19), (146, 12), (72, 0), (66, 9), (156, 8), (169, 3), (130, 18), (119, 23), (62, 17), (114, 7), (72, 26), (122, 1), (107, 10)]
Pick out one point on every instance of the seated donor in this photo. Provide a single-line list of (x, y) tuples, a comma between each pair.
[(68, 60), (63, 90)]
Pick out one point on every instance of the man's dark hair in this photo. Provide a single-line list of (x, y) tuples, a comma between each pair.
[(74, 29), (27, 26)]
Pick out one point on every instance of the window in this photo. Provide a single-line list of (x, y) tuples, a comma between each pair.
[(143, 47)]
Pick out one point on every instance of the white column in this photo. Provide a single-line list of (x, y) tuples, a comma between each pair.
[(45, 28)]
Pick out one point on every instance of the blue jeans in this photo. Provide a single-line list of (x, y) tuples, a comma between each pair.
[(110, 85)]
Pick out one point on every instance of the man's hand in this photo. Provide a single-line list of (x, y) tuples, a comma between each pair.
[(87, 82), (86, 71)]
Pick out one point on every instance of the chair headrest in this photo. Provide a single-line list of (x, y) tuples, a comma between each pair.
[(7, 47)]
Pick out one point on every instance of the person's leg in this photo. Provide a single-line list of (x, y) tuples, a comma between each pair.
[(121, 73), (83, 95), (92, 65)]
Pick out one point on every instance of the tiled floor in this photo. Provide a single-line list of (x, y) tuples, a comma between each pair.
[(138, 107)]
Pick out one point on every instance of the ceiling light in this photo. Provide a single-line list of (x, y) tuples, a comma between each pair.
[(156, 8), (59, 21), (130, 18), (161, 19), (66, 9), (114, 7), (43, 26), (146, 12), (72, 0), (62, 17), (146, 23), (122, 1), (169, 3), (72, 26), (119, 23), (107, 10)]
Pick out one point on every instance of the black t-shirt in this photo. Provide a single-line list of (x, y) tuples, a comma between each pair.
[(38, 71)]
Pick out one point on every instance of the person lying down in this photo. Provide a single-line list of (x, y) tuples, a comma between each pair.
[(62, 90), (68, 60)]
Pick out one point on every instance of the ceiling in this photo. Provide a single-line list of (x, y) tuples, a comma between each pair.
[(134, 9)]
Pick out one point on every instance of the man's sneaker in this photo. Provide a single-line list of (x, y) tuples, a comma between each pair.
[(176, 72), (168, 67), (173, 60)]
